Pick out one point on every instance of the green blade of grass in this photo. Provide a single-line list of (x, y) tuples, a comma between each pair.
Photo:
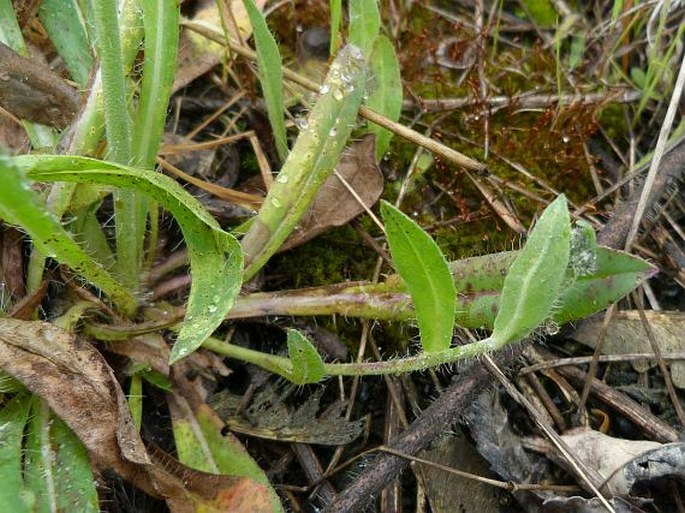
[(270, 75), (386, 96), (160, 22), (20, 205), (215, 258), (534, 279), (336, 18), (365, 22), (13, 416), (424, 270)]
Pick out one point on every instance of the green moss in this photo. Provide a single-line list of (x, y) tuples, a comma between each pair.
[(334, 257)]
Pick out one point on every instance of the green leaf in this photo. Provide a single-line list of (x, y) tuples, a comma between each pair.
[(215, 257), (534, 280), (615, 274), (365, 22), (57, 467), (386, 96), (424, 270), (307, 363), (270, 75), (201, 446), (312, 160), (336, 17), (10, 32), (13, 416), (63, 22), (20, 205)]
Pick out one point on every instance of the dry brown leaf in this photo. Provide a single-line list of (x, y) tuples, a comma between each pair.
[(74, 379), (196, 54), (31, 90), (626, 334), (618, 462), (334, 204)]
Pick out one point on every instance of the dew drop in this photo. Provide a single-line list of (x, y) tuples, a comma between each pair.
[(324, 89), (276, 202), (338, 94), (302, 123), (212, 309), (282, 178), (333, 132)]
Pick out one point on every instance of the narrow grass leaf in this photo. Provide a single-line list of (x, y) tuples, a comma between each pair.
[(270, 75), (20, 205), (64, 24), (215, 258), (336, 17), (306, 360), (424, 270), (533, 282), (386, 95), (365, 22), (13, 416)]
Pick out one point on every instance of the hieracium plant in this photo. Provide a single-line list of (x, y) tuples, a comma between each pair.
[(560, 274)]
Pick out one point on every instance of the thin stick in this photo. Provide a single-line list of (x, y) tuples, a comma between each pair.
[(658, 154)]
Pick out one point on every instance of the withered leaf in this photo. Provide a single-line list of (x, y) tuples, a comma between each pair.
[(78, 385), (626, 334), (269, 417), (334, 204), (31, 90)]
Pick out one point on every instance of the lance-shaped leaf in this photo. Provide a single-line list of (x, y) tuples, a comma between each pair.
[(534, 280), (56, 468), (386, 91), (215, 256), (312, 160), (270, 75), (424, 270), (365, 22)]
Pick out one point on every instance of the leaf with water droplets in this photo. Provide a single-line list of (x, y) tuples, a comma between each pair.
[(215, 257), (534, 280)]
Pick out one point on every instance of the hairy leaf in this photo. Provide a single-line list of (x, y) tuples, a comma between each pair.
[(20, 205), (13, 416), (315, 154), (534, 280), (306, 360), (424, 270), (215, 256)]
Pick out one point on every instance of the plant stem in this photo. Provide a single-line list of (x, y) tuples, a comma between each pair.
[(117, 119)]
